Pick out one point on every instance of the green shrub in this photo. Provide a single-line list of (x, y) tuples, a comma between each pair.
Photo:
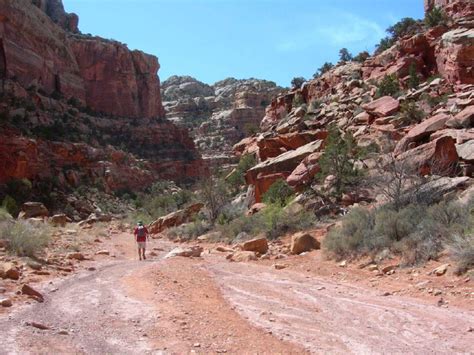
[(436, 17), (324, 68), (414, 80), (25, 239), (389, 86), (345, 55), (405, 27), (410, 113), (338, 160), (462, 251), (237, 178), (297, 82), (189, 231), (298, 100), (362, 57), (10, 205), (279, 193), (4, 215), (274, 221), (384, 44), (415, 232)]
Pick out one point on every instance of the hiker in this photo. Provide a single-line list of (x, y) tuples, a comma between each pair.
[(141, 235)]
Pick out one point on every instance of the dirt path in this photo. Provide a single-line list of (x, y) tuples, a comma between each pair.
[(209, 305)]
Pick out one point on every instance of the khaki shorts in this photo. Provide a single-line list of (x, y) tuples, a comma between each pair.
[(141, 245)]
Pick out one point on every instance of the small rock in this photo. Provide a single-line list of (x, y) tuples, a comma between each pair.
[(30, 291), (63, 332), (197, 345), (343, 263), (37, 325), (103, 252), (301, 242), (194, 251), (440, 270), (258, 245), (75, 256), (6, 302), (385, 294), (280, 266), (243, 256), (372, 267), (59, 220), (224, 249), (389, 268)]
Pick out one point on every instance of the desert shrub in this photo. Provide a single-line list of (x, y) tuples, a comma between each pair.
[(274, 221), (405, 27), (189, 231), (297, 82), (362, 56), (24, 238), (4, 215), (354, 237), (314, 105), (10, 205), (384, 44), (415, 232), (237, 178), (414, 80), (279, 193), (324, 68), (410, 113), (214, 192), (338, 160), (461, 249), (388, 86), (436, 17), (345, 55)]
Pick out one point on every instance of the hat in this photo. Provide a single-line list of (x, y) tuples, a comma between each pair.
[(140, 223)]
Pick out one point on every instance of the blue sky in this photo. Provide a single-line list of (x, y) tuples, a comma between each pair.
[(268, 39)]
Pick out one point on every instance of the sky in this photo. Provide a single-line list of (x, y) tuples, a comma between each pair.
[(267, 39)]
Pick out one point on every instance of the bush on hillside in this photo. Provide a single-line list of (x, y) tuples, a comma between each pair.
[(388, 86), (338, 160), (345, 55), (324, 68), (24, 238), (297, 82), (237, 178), (414, 79), (279, 193), (405, 27), (384, 44), (436, 17), (410, 113), (416, 232), (362, 57)]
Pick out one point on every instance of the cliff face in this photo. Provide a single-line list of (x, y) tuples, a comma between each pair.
[(78, 109), (40, 49), (218, 115)]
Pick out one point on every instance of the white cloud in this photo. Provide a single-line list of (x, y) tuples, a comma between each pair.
[(343, 30)]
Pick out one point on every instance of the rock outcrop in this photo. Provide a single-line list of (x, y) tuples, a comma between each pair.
[(217, 115)]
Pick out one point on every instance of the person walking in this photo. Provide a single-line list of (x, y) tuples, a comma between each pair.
[(141, 236)]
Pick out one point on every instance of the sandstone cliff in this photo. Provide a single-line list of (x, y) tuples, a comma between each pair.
[(77, 109), (217, 115)]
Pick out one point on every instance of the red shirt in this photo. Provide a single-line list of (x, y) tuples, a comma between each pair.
[(142, 238)]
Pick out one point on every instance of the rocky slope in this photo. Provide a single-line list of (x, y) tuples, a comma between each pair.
[(295, 124), (218, 115), (79, 109)]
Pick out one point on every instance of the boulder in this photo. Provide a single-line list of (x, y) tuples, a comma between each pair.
[(9, 271), (33, 210), (187, 252), (6, 302), (255, 208), (174, 219), (243, 256), (427, 127), (438, 156), (258, 245), (466, 150), (385, 106), (30, 291), (463, 119), (59, 220), (302, 241), (305, 171)]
